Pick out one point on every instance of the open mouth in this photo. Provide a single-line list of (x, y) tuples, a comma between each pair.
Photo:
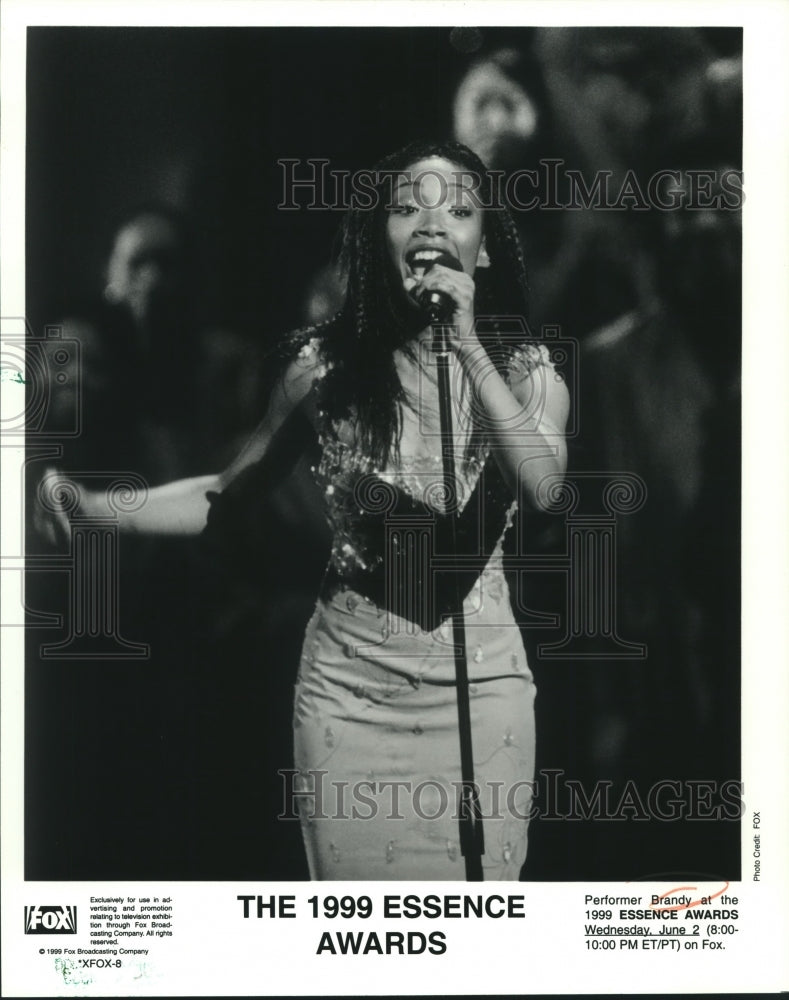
[(422, 260)]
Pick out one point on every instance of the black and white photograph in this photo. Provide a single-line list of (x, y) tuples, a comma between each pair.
[(381, 504)]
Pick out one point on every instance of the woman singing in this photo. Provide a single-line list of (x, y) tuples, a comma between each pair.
[(375, 715)]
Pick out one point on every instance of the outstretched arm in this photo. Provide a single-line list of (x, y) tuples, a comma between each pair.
[(181, 507)]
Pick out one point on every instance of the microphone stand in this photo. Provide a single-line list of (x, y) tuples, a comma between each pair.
[(472, 842)]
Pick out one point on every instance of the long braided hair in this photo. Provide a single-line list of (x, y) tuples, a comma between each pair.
[(359, 342)]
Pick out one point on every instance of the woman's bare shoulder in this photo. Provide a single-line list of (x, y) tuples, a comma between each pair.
[(537, 384)]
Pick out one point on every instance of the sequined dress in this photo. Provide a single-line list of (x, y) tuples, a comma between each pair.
[(375, 718)]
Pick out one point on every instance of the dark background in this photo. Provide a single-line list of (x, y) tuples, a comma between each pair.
[(200, 117), (167, 769)]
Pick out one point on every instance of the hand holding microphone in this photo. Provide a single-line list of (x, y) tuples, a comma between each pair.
[(437, 303), (445, 294)]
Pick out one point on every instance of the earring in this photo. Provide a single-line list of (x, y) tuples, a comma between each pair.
[(483, 260)]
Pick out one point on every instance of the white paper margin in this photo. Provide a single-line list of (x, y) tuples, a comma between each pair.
[(216, 951)]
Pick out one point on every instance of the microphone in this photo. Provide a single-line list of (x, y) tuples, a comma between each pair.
[(438, 305)]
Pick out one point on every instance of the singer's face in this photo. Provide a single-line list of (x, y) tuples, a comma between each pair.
[(433, 211)]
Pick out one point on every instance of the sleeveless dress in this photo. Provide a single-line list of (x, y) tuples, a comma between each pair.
[(375, 716)]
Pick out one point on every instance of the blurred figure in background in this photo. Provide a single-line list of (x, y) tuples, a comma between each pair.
[(163, 394), (505, 111), (618, 96), (500, 110), (154, 376), (661, 398)]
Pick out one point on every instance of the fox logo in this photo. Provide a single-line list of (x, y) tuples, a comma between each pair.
[(50, 920)]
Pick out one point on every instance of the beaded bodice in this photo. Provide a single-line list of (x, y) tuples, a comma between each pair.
[(358, 494)]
